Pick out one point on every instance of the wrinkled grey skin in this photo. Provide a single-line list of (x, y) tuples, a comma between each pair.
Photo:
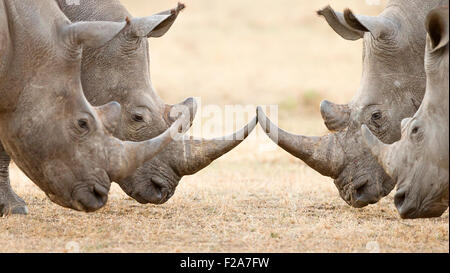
[(47, 126), (392, 87), (419, 161), (120, 71)]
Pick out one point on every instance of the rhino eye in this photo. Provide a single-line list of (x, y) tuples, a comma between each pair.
[(137, 118), (83, 124), (376, 116), (416, 133)]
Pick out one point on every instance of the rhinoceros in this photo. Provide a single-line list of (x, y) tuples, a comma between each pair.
[(392, 88), (47, 126), (120, 71), (419, 161)]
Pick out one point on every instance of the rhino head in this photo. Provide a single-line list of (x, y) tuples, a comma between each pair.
[(391, 88), (419, 161), (49, 129), (120, 71)]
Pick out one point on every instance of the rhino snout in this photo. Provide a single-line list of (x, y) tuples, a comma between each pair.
[(154, 191), (364, 195), (410, 208), (90, 198), (363, 190)]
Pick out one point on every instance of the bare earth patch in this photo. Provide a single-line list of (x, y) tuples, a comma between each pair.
[(268, 203), (254, 199)]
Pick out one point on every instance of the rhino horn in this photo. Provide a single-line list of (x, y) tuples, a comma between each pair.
[(188, 108), (134, 154), (199, 153), (379, 149), (323, 154), (335, 116)]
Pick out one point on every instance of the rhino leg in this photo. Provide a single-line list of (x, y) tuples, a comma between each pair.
[(10, 202)]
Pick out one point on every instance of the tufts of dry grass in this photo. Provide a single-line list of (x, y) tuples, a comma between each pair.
[(268, 203), (257, 198)]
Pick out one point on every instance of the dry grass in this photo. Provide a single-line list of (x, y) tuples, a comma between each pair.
[(251, 200)]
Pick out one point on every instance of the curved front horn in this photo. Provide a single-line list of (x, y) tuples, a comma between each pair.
[(196, 154), (323, 154), (124, 160)]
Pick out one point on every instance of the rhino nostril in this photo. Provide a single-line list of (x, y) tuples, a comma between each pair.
[(406, 209), (363, 196), (399, 199), (158, 190), (360, 187), (101, 193), (360, 191), (162, 189), (90, 199)]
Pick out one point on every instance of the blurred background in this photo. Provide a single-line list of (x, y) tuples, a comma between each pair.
[(257, 52)]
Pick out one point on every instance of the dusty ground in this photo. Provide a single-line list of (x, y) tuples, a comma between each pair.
[(255, 199)]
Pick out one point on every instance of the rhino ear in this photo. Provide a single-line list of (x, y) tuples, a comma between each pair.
[(337, 22), (437, 28), (156, 25), (91, 34), (378, 26)]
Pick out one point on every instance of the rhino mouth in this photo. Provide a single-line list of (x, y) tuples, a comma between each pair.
[(153, 190), (411, 205), (156, 192), (434, 210), (85, 196), (363, 190), (90, 198)]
